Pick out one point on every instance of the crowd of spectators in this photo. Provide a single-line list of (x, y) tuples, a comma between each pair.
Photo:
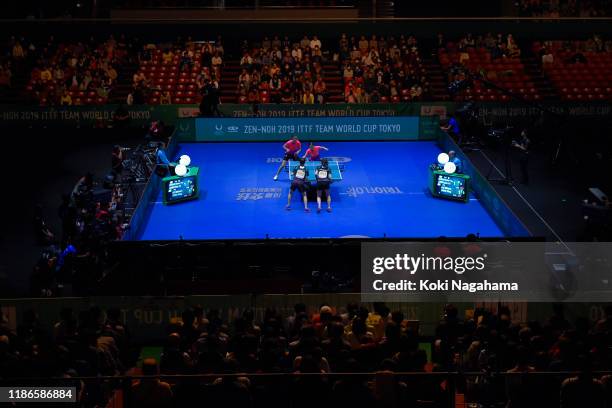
[(90, 344), (281, 70), (233, 3), (382, 69), (171, 71), (577, 50), (493, 57), (371, 70), (77, 254), (352, 339), (496, 47), (563, 8), (72, 73)]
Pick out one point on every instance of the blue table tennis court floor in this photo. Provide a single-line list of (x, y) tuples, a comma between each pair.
[(384, 193)]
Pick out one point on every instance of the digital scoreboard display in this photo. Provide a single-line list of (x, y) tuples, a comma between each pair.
[(180, 189), (454, 187)]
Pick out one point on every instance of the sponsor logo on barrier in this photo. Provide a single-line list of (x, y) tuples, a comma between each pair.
[(258, 193), (188, 112), (354, 191)]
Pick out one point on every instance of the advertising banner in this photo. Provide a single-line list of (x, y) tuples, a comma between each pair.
[(273, 129), (102, 115)]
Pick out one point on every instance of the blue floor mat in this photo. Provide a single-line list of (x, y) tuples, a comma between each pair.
[(384, 193)]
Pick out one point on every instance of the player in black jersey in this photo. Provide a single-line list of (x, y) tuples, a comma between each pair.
[(323, 176), (299, 182)]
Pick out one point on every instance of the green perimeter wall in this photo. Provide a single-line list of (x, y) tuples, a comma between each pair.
[(101, 116), (148, 317)]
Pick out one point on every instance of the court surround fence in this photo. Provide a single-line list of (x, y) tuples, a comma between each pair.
[(509, 223)]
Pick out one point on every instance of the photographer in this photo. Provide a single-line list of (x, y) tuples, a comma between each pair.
[(521, 144), (451, 126)]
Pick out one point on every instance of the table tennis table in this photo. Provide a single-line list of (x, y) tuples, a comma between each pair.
[(335, 168)]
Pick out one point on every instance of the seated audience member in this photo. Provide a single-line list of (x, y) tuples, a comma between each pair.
[(66, 99), (165, 98), (575, 391), (151, 392)]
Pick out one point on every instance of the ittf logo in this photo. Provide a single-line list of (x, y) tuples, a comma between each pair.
[(218, 130)]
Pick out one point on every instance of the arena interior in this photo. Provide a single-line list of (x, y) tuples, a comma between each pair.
[(220, 201)]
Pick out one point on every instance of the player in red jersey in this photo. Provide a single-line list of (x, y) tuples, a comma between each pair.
[(314, 152), (292, 149)]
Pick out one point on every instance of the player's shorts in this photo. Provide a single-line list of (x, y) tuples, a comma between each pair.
[(318, 158), (323, 185), (291, 156), (299, 185)]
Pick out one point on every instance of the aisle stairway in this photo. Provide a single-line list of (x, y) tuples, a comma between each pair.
[(231, 70), (382, 9), (123, 85), (15, 94), (542, 83)]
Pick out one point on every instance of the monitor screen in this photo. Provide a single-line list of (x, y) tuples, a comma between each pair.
[(178, 189), (451, 186)]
